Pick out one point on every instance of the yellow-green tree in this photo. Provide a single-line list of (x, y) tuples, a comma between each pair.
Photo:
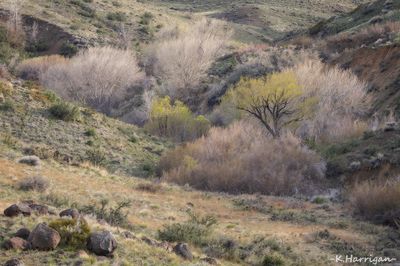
[(275, 100), (174, 120)]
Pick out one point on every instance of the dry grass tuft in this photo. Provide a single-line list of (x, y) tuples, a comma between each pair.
[(33, 68), (36, 183)]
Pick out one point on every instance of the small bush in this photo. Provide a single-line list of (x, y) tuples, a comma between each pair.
[(65, 111), (96, 156), (7, 106), (91, 132), (175, 121), (240, 159), (36, 183), (149, 187), (33, 68), (112, 215), (273, 260), (377, 201), (73, 232), (196, 230)]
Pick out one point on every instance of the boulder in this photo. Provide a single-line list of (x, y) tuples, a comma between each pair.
[(102, 243), (16, 243), (39, 209), (17, 209), (182, 249), (44, 237), (14, 262), (30, 160), (23, 233), (73, 213)]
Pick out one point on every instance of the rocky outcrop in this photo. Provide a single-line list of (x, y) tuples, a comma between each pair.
[(17, 209)]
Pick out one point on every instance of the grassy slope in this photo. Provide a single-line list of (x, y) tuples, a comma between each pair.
[(254, 20), (258, 20), (294, 224)]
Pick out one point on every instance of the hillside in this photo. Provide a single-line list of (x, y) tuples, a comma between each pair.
[(248, 226), (255, 21)]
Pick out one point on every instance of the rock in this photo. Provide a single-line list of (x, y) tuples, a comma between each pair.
[(39, 209), (355, 166), (209, 260), (44, 238), (149, 241), (17, 209), (390, 126), (102, 243), (375, 20), (30, 160), (82, 254), (14, 262), (379, 41), (16, 243), (23, 233), (128, 235), (182, 249), (73, 213)]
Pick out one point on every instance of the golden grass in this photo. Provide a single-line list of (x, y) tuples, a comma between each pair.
[(151, 210)]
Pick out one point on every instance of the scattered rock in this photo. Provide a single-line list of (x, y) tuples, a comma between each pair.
[(209, 260), (44, 238), (16, 243), (17, 209), (379, 41), (149, 241), (102, 243), (23, 233), (14, 262), (82, 254), (30, 160), (355, 166), (128, 234), (39, 209), (73, 213), (182, 249)]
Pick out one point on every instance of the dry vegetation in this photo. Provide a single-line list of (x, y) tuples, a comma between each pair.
[(240, 159), (98, 77)]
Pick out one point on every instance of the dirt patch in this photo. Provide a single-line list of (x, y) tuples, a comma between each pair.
[(380, 67)]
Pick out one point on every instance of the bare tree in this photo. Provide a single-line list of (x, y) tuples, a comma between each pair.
[(183, 57), (15, 32)]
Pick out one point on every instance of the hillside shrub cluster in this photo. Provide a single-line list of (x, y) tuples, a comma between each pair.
[(240, 159), (175, 121)]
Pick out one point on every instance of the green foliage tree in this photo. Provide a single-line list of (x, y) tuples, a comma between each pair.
[(175, 121), (274, 100)]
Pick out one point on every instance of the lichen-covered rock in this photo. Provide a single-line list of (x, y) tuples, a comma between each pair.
[(182, 249), (17, 209), (73, 213), (16, 243), (23, 233), (102, 243), (44, 237)]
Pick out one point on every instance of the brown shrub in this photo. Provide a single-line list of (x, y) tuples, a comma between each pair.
[(36, 183), (377, 201), (239, 159), (98, 77), (33, 68)]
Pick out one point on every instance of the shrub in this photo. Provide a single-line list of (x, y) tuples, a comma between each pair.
[(96, 156), (36, 183), (182, 58), (7, 106), (175, 121), (240, 159), (33, 68), (73, 232), (65, 111), (196, 230), (377, 201), (340, 100), (112, 215), (98, 77), (273, 260)]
